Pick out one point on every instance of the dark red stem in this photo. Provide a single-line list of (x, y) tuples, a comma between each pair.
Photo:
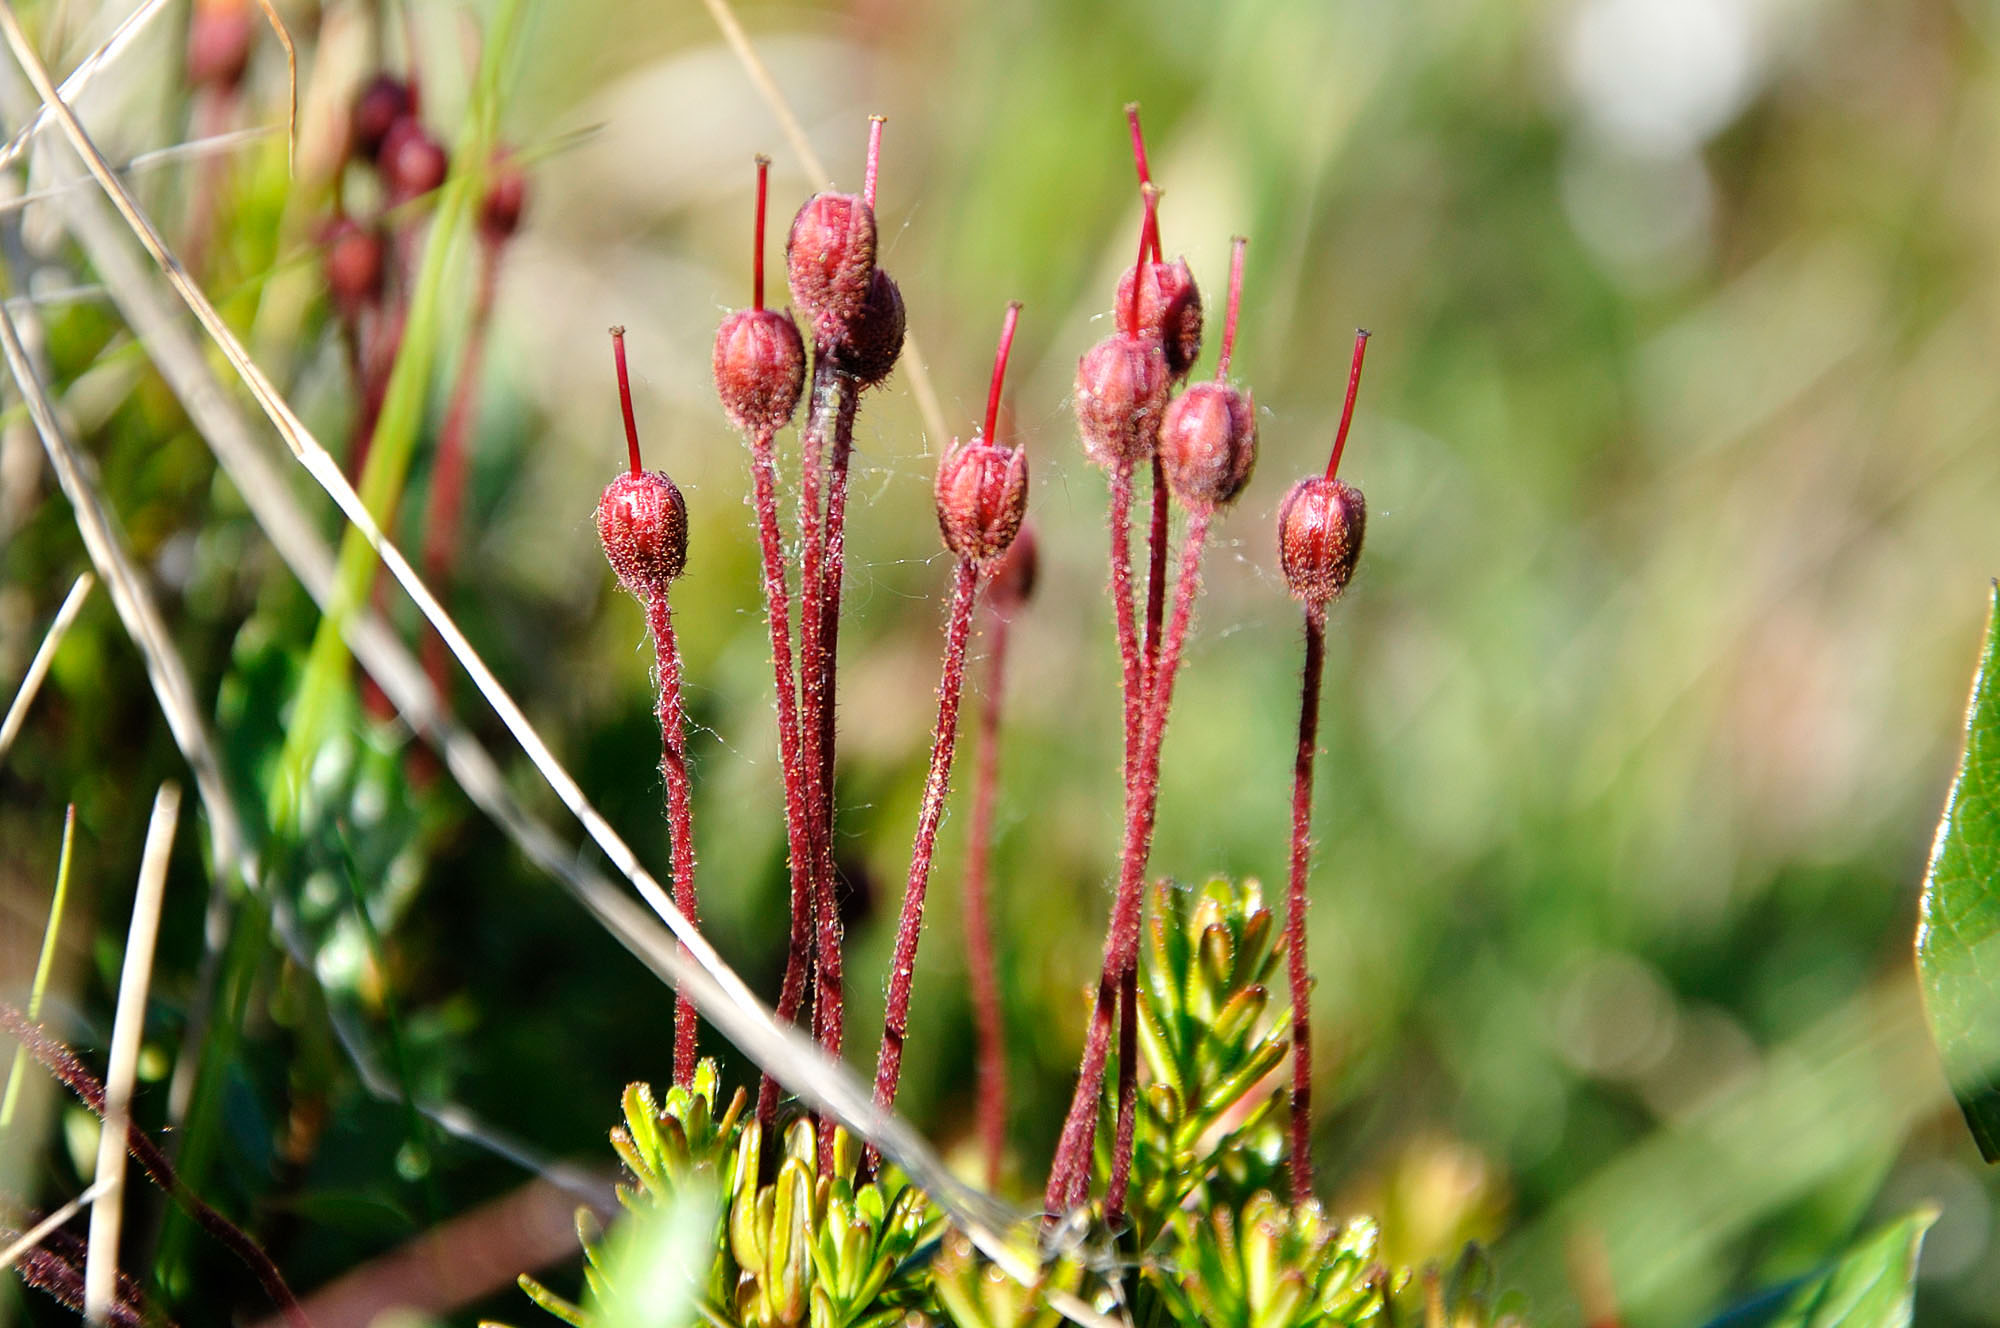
[(1146, 239), (1070, 1173), (1236, 247), (1156, 569), (680, 808), (1347, 410), (625, 397), (981, 969), (909, 925), (757, 254), (798, 816), (1295, 914), (1128, 1098), (834, 576), (1122, 944)]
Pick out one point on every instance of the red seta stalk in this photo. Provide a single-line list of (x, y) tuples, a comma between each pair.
[(1069, 1174), (1301, 857), (944, 741), (673, 741), (980, 967), (1295, 919)]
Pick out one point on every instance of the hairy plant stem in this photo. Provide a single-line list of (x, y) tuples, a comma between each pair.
[(834, 572), (1069, 1179), (454, 449), (680, 808), (1295, 910), (991, 1093), (798, 817), (831, 390), (910, 924), (1069, 1174)]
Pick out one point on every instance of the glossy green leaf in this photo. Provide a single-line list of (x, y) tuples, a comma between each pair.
[(1958, 928), (1872, 1286)]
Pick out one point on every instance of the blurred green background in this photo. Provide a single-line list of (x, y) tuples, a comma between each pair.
[(1677, 435)]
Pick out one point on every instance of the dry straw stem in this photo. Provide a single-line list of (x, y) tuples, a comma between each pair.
[(43, 1229), (716, 989), (45, 654), (80, 77), (912, 358), (156, 322), (128, 1032)]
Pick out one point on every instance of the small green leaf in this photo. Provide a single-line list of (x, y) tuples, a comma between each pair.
[(1872, 1286), (1958, 926)]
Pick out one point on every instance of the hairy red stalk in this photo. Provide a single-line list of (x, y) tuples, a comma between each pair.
[(680, 809), (1121, 946), (1295, 916), (673, 740), (1236, 247), (834, 574), (1347, 408), (798, 816), (1127, 1123), (447, 495), (980, 966), (909, 927)]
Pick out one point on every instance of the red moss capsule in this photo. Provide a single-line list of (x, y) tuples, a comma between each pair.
[(874, 338), (385, 100), (506, 199), (220, 36), (642, 523), (352, 259), (1320, 525), (1012, 581), (1121, 393), (1208, 444), (1167, 310), (760, 370), (830, 262), (982, 486), (412, 162), (641, 517)]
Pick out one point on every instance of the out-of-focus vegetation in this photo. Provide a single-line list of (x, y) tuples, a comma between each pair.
[(1679, 439)]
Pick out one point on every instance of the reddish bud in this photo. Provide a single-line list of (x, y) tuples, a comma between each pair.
[(1322, 520), (220, 36), (1167, 310), (641, 517), (1320, 525), (830, 262), (1208, 444), (412, 162), (506, 199), (760, 370), (874, 337), (352, 259), (982, 486), (385, 100), (1121, 392)]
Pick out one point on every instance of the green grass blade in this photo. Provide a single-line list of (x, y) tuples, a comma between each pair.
[(1958, 927), (44, 965), (1872, 1286)]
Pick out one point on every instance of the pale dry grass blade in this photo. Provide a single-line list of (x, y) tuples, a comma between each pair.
[(80, 77), (39, 1232), (714, 987), (128, 1034), (912, 359), (38, 667)]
